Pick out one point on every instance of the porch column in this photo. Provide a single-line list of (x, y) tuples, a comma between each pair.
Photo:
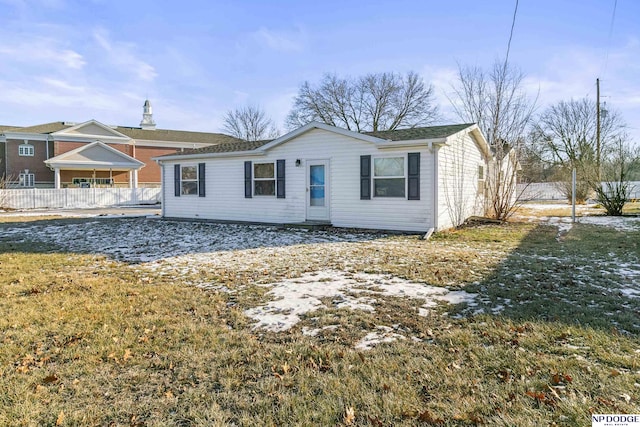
[(135, 178), (131, 179), (56, 179)]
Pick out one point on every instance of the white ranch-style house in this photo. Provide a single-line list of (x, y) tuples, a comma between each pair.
[(418, 179)]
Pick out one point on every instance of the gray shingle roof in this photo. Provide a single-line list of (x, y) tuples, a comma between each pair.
[(43, 128), (176, 135), (167, 135), (230, 147), (430, 132)]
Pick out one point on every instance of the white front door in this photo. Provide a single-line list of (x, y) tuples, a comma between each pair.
[(318, 190)]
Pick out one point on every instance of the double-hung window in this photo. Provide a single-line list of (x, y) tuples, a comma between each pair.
[(25, 150), (189, 180), (389, 177), (264, 179)]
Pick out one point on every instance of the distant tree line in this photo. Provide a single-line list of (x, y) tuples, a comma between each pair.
[(548, 144)]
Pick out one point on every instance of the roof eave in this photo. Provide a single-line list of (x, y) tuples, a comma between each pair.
[(71, 165), (172, 157), (94, 122), (430, 142), (61, 136), (61, 158), (171, 144), (323, 126), (27, 135)]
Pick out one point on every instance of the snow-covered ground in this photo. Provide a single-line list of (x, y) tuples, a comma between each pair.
[(141, 240), (90, 212), (180, 250), (292, 298)]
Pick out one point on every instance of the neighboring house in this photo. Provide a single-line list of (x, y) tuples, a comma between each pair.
[(408, 179), (63, 154)]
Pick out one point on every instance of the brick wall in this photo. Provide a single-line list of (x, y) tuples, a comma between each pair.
[(16, 164), (151, 172)]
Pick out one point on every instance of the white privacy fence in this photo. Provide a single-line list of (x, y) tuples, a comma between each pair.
[(551, 191), (38, 198)]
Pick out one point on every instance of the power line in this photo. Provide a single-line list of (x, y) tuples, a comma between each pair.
[(513, 24), (606, 56)]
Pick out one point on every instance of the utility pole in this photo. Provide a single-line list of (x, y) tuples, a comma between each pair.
[(598, 129)]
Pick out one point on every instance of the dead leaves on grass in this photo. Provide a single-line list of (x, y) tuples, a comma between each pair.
[(60, 419), (555, 390), (126, 356), (430, 418), (349, 416), (29, 362)]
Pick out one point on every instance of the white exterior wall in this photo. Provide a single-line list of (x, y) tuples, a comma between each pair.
[(458, 197), (225, 187)]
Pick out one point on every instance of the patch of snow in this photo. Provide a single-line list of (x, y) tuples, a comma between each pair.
[(620, 223), (374, 338), (547, 206), (423, 312), (313, 332), (292, 298), (630, 292)]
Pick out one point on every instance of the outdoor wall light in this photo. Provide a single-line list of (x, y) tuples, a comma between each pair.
[(298, 161)]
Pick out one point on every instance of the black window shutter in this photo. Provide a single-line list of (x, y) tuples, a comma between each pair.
[(201, 178), (247, 180), (176, 180), (280, 179), (414, 176), (365, 177)]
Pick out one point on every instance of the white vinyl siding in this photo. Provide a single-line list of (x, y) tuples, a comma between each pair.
[(225, 187), (459, 196)]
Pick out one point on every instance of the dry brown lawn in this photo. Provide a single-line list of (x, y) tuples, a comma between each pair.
[(115, 335)]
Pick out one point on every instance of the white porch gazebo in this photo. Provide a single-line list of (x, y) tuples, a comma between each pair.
[(96, 156)]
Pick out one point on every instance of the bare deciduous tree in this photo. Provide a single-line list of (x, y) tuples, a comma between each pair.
[(566, 133), (4, 185), (374, 102), (615, 189), (497, 102), (249, 124)]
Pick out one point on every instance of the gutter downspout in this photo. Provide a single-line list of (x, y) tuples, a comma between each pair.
[(434, 191), (434, 151), (163, 187)]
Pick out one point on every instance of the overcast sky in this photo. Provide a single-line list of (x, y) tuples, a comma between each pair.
[(66, 60)]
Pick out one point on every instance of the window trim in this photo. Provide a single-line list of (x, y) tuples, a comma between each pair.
[(27, 178), (196, 180), (405, 167), (273, 178), (26, 150), (481, 180)]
